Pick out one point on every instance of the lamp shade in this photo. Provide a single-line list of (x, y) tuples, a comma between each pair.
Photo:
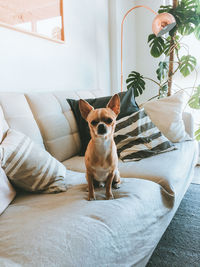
[(163, 23)]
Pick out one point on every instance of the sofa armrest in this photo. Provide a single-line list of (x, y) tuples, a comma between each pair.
[(189, 123)]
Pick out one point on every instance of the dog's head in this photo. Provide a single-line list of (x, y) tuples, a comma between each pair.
[(101, 121)]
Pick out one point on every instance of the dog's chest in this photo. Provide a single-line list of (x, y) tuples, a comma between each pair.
[(101, 174)]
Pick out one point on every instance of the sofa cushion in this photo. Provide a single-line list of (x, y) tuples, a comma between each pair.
[(18, 115), (136, 137), (128, 106), (3, 125), (7, 192), (29, 166), (160, 168), (167, 114), (68, 230), (56, 121)]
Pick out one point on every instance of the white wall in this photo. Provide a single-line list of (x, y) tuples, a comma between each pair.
[(146, 64), (117, 10), (192, 47), (29, 63), (136, 51)]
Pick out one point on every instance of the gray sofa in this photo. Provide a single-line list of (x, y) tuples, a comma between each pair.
[(67, 230)]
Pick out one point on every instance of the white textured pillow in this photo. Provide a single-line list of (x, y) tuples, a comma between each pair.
[(29, 166), (166, 114), (7, 192), (3, 125)]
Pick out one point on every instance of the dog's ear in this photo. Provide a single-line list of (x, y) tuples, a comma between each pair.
[(114, 104), (85, 108)]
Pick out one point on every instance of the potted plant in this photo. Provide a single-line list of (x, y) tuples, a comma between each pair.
[(187, 15)]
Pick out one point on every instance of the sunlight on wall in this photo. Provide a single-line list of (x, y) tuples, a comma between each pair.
[(29, 63)]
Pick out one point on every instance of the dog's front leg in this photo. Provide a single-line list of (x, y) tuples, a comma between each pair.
[(109, 194), (91, 195)]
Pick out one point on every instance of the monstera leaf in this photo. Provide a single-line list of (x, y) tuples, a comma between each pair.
[(189, 4), (194, 101), (187, 65), (165, 9), (197, 135), (185, 21), (163, 91), (198, 7), (162, 70), (136, 81), (157, 45), (186, 28), (197, 32), (168, 44)]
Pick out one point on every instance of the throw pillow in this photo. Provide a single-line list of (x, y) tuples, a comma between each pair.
[(30, 167), (166, 113), (136, 137), (7, 192), (127, 107), (4, 126)]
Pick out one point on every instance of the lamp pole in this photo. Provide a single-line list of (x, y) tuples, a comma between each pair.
[(122, 28), (162, 24)]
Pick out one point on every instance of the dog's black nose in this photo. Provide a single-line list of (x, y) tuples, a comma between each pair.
[(101, 129)]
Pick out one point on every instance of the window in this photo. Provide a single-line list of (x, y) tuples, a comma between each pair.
[(43, 18)]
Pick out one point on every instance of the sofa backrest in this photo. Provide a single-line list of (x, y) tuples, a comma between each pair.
[(46, 118)]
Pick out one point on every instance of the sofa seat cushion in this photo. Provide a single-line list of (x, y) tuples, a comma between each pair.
[(164, 169), (7, 192), (67, 230)]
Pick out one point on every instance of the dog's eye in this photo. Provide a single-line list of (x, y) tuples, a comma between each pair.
[(108, 121), (94, 123)]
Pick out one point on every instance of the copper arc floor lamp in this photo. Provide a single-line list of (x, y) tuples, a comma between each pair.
[(161, 24)]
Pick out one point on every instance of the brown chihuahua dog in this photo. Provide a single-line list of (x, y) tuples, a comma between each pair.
[(101, 158)]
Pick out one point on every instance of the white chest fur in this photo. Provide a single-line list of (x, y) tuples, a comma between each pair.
[(102, 146), (101, 174)]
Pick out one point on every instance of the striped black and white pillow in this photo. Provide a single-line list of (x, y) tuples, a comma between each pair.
[(29, 166), (136, 137)]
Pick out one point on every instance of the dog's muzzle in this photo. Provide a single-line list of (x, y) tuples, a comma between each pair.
[(101, 129)]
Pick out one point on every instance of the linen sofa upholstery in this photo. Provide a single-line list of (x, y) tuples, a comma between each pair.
[(56, 121), (67, 230), (159, 168), (19, 116), (4, 125)]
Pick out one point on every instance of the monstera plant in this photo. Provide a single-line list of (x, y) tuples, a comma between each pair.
[(187, 15), (194, 102)]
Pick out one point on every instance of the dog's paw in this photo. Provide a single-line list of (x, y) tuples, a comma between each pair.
[(109, 196), (116, 185), (91, 198)]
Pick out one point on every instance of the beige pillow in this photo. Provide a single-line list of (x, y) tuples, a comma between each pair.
[(166, 113), (3, 125), (29, 166), (7, 192)]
